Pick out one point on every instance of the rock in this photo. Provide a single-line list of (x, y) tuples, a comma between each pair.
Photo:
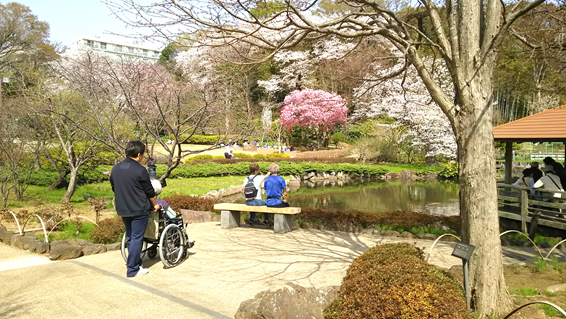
[(213, 194), (195, 217), (289, 301), (114, 246), (367, 231), (332, 173), (557, 288), (544, 244), (333, 227), (77, 242), (56, 243), (389, 233), (62, 252), (39, 247), (332, 178), (6, 237), (376, 232), (426, 236), (408, 175), (93, 249), (22, 242), (392, 176), (406, 234), (505, 242), (524, 243)]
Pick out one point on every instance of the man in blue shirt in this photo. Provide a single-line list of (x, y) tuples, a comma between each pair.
[(275, 188)]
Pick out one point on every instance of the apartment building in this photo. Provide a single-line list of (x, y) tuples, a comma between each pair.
[(121, 50)]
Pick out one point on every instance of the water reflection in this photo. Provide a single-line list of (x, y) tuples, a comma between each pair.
[(378, 196)]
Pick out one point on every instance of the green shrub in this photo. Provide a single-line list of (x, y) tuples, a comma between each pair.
[(242, 155), (72, 229), (43, 177), (178, 202), (277, 155), (450, 171), (260, 156), (394, 281), (337, 138), (109, 231)]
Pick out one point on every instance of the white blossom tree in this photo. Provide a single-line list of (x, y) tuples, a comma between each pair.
[(406, 99)]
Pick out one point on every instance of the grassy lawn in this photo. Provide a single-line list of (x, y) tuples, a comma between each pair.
[(36, 195)]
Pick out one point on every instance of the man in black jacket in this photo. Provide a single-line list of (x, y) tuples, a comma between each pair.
[(134, 199)]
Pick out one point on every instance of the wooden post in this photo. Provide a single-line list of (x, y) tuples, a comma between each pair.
[(508, 162), (524, 209)]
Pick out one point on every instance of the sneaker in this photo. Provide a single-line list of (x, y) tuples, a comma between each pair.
[(267, 222), (142, 271)]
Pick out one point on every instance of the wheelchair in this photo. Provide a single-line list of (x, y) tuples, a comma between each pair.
[(170, 240)]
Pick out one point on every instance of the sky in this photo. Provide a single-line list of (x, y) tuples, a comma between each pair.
[(71, 19)]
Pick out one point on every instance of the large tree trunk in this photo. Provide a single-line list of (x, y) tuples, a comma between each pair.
[(72, 186), (478, 198)]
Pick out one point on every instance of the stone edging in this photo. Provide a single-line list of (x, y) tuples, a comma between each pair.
[(57, 250)]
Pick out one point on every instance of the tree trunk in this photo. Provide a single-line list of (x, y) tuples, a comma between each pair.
[(478, 199), (72, 186), (60, 179)]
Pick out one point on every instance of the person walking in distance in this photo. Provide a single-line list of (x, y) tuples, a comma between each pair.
[(134, 198)]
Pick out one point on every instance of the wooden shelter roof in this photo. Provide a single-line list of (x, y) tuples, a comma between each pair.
[(546, 126)]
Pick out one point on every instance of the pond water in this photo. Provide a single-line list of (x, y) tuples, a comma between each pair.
[(378, 196)]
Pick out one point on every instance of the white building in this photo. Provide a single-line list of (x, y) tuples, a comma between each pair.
[(121, 50)]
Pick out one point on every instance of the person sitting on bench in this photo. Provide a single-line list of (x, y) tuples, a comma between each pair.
[(275, 189), (256, 200)]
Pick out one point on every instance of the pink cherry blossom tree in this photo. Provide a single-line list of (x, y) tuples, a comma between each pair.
[(317, 110)]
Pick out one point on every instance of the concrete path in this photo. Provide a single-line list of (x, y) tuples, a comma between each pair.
[(226, 268)]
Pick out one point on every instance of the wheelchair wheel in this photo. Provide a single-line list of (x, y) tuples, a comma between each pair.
[(124, 248), (171, 246)]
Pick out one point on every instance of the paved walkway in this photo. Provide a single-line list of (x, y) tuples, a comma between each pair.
[(227, 267)]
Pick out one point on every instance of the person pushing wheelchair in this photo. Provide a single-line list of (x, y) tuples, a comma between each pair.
[(134, 199)]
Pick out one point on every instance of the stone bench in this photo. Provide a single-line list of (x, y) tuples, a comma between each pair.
[(230, 215)]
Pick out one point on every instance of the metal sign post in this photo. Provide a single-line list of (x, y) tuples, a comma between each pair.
[(464, 252)]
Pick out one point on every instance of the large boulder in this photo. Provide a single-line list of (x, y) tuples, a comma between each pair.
[(194, 216), (5, 236), (93, 249), (289, 301), (62, 252), (77, 242)]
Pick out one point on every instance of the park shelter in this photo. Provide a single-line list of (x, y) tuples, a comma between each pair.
[(546, 126)]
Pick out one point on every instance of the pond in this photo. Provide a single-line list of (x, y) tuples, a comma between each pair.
[(378, 197)]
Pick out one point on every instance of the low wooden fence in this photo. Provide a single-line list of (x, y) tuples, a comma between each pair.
[(544, 207)]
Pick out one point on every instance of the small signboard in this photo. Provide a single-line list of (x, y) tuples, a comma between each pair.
[(463, 251)]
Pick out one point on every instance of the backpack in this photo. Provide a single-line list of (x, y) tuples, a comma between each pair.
[(250, 191)]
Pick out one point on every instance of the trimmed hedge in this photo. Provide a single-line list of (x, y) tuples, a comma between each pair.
[(261, 158), (285, 168), (392, 281), (45, 177)]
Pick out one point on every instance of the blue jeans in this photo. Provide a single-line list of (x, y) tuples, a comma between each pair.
[(256, 202), (135, 228)]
